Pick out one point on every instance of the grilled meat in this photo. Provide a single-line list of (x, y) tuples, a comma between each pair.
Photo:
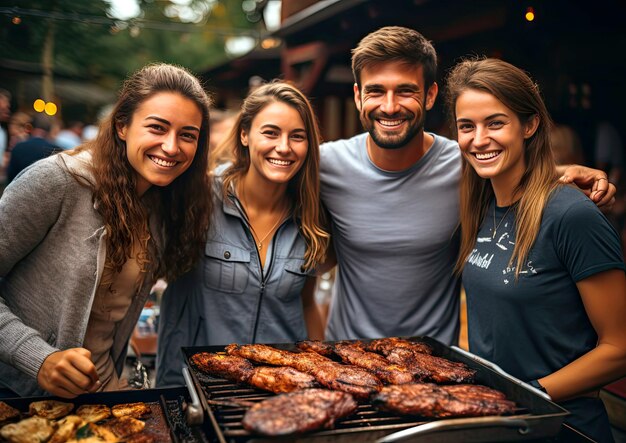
[(386, 345), (354, 354), (317, 346), (430, 400), (240, 370), (50, 409), (328, 373), (429, 367), (30, 430), (125, 426), (130, 410), (67, 429), (281, 379), (93, 413), (298, 412), (7, 412), (229, 367)]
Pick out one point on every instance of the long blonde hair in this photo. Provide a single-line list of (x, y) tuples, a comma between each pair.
[(182, 208), (515, 89), (304, 187)]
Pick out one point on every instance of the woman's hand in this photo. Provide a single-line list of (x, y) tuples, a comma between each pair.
[(68, 373)]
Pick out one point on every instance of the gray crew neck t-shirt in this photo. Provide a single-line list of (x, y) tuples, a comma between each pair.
[(394, 236)]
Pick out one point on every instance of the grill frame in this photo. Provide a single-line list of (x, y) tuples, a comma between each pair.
[(543, 417)]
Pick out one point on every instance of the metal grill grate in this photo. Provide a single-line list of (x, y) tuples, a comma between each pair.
[(222, 401)]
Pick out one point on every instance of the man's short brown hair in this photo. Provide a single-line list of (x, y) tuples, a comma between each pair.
[(395, 43)]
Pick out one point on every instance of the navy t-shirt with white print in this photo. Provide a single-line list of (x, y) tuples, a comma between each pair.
[(538, 324)]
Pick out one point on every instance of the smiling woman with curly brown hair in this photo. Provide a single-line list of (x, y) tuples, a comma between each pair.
[(84, 234)]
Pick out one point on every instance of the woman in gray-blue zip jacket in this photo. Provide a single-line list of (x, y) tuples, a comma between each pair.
[(262, 245)]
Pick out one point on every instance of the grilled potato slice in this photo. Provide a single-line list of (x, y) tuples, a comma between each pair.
[(7, 412), (50, 409), (125, 426), (29, 430), (66, 429), (135, 410), (93, 413)]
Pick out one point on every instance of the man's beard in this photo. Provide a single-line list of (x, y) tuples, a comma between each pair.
[(392, 141)]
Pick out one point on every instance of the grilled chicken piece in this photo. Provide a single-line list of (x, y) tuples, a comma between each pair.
[(281, 379), (429, 367), (7, 412), (229, 367), (430, 400), (124, 426), (354, 354), (130, 410), (298, 412), (332, 375), (93, 413), (50, 409), (240, 370), (317, 346), (30, 430), (67, 428), (386, 345)]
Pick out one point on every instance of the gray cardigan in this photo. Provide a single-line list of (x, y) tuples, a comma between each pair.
[(52, 253)]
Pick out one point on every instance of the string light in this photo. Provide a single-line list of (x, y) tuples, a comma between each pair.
[(530, 14), (39, 105), (16, 20), (50, 108)]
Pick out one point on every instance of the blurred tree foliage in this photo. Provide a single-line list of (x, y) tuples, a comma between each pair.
[(83, 40)]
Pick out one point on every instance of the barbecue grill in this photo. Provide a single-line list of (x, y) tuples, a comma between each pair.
[(536, 416), (167, 421)]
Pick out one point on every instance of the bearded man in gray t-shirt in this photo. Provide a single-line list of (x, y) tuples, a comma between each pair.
[(393, 197)]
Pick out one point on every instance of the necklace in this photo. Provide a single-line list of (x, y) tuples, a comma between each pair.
[(495, 227), (259, 241)]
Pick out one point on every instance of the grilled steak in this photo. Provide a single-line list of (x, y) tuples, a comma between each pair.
[(229, 367), (429, 367), (430, 400), (298, 412), (386, 345), (328, 373), (354, 354)]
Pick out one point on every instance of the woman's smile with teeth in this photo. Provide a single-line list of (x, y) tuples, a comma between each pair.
[(486, 155), (275, 161), (161, 162)]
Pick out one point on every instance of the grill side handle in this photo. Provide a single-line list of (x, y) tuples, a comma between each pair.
[(502, 372), (457, 423), (194, 412)]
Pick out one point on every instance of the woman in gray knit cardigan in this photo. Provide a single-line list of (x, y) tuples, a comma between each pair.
[(85, 233)]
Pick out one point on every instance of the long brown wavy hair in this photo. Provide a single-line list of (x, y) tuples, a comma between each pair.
[(516, 90), (304, 187), (181, 209)]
